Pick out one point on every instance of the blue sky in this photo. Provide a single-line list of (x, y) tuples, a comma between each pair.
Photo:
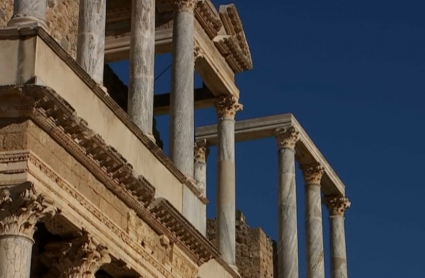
[(352, 73)]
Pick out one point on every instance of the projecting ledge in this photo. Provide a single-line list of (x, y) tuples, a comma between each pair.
[(259, 128)]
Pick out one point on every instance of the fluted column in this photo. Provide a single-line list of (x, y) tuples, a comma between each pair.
[(81, 257), (226, 200), (287, 204), (200, 175), (21, 207), (142, 63), (29, 11), (182, 85), (337, 207), (91, 37), (313, 221)]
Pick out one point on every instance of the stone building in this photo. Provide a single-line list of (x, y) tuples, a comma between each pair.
[(85, 188)]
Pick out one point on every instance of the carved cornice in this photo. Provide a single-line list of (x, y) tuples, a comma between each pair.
[(227, 106), (337, 205), (201, 150), (208, 17), (287, 138), (78, 258), (233, 46), (312, 173), (21, 207), (59, 120), (184, 5)]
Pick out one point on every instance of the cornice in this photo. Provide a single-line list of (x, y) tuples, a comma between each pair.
[(208, 17), (233, 46), (56, 117)]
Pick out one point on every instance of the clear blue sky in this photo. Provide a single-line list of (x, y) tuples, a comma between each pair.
[(353, 73)]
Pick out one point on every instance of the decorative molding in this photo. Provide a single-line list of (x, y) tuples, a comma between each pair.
[(287, 138), (337, 205), (312, 173), (233, 46), (208, 17), (198, 53), (21, 207), (201, 150), (227, 106)]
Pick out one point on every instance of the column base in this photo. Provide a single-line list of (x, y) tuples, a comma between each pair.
[(27, 20)]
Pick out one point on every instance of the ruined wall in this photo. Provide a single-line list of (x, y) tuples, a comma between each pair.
[(254, 249), (62, 20)]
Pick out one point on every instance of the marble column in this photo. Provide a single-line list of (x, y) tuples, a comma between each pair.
[(287, 204), (91, 37), (200, 175), (142, 63), (29, 11), (313, 221), (226, 200), (337, 207), (20, 210), (81, 257), (182, 86)]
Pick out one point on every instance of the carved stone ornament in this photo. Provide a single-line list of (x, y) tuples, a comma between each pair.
[(313, 173), (21, 207), (287, 138), (184, 5), (79, 258), (337, 205), (201, 150), (227, 106), (198, 53)]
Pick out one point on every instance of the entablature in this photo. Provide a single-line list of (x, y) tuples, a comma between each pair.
[(306, 150)]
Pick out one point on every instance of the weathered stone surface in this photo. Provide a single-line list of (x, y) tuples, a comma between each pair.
[(254, 249), (61, 19)]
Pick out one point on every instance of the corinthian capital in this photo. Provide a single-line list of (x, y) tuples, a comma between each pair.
[(21, 207), (184, 5), (79, 258), (287, 137), (313, 173), (337, 205), (201, 150), (227, 106)]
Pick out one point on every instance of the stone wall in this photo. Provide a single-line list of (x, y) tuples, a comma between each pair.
[(62, 20), (254, 249)]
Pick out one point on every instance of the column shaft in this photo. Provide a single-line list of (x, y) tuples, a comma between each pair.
[(313, 223), (337, 207), (29, 11), (142, 62), (91, 37), (287, 204), (226, 195), (15, 256), (182, 85), (226, 185)]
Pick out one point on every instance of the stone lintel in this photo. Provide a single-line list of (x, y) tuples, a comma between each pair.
[(265, 127)]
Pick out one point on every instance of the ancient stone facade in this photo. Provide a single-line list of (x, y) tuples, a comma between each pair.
[(255, 254)]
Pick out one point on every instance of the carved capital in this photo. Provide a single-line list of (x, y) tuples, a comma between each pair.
[(337, 205), (313, 173), (21, 207), (227, 106), (184, 5), (198, 53), (287, 137), (79, 258), (201, 150)]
